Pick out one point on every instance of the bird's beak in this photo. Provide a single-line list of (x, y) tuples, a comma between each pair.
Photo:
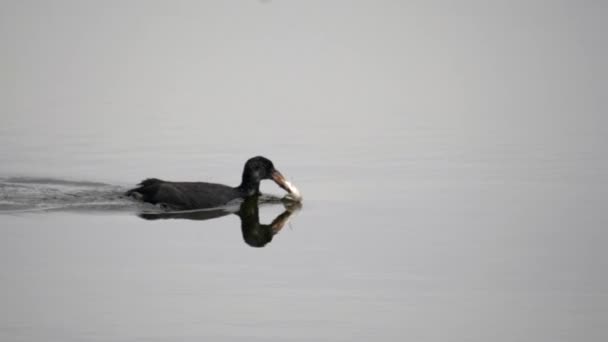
[(294, 193), (278, 178)]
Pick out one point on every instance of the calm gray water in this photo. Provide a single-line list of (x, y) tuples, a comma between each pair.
[(452, 162)]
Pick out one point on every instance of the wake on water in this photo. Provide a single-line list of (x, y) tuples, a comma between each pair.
[(20, 194)]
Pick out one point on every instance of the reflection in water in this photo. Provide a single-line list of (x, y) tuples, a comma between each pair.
[(255, 234)]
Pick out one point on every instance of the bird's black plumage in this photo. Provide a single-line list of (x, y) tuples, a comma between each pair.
[(199, 195)]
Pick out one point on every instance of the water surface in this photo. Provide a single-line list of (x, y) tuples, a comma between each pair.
[(452, 163)]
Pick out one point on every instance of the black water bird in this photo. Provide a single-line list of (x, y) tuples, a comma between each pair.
[(200, 195)]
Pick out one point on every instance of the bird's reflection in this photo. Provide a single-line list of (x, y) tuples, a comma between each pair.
[(255, 234)]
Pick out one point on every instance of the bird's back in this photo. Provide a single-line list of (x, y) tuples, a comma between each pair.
[(184, 195)]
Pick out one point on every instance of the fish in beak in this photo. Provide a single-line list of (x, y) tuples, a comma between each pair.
[(281, 181)]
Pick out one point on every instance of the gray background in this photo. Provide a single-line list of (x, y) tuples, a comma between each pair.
[(451, 156)]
